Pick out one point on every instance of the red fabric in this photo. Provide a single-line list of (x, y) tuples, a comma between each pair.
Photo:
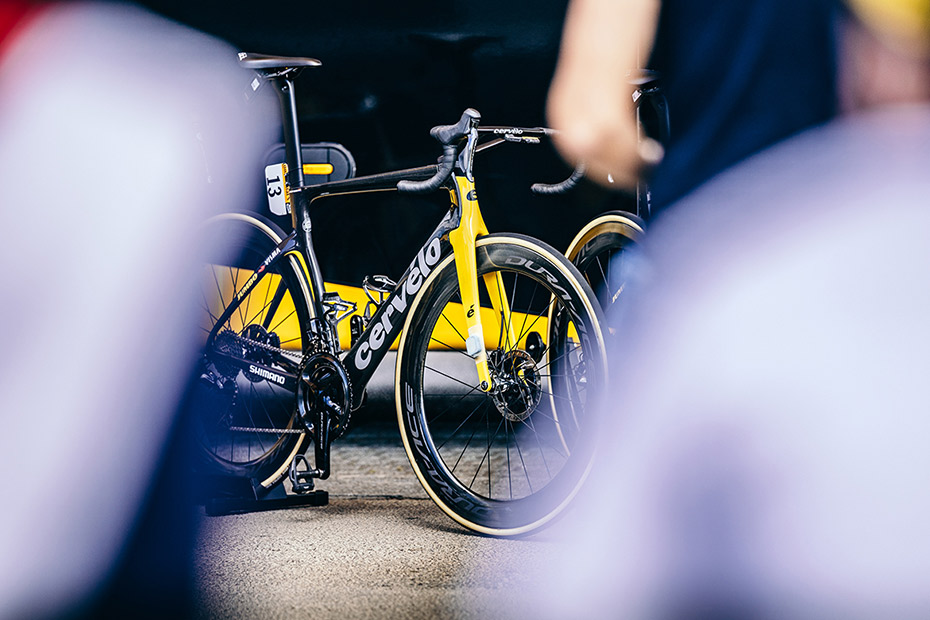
[(14, 13)]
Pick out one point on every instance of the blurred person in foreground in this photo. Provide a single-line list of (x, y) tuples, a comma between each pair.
[(764, 453), (112, 121), (738, 76)]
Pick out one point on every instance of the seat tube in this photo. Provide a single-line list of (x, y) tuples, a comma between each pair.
[(284, 87), (300, 211)]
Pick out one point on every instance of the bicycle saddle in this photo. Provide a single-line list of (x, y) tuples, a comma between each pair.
[(263, 61)]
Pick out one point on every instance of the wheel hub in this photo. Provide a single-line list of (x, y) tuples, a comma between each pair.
[(517, 384)]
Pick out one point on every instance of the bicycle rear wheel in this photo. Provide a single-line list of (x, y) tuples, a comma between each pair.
[(246, 422), (600, 252), (508, 461)]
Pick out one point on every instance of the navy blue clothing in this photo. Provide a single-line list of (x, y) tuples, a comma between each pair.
[(739, 75)]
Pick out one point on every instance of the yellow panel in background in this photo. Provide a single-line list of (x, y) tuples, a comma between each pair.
[(448, 333), (254, 309), (318, 168)]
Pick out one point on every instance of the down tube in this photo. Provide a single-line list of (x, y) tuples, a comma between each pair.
[(385, 326)]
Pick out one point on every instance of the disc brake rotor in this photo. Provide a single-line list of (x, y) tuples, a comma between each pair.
[(517, 384)]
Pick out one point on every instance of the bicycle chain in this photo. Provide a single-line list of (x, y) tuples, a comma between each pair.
[(273, 431), (283, 352), (294, 356), (267, 347)]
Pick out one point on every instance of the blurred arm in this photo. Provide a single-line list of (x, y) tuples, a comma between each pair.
[(590, 99)]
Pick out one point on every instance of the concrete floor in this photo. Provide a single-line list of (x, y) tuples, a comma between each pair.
[(380, 549)]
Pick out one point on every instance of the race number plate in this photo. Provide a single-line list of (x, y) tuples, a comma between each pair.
[(279, 199)]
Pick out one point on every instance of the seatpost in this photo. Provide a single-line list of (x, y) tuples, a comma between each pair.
[(284, 86)]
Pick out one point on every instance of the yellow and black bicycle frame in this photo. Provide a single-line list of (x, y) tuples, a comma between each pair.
[(465, 198)]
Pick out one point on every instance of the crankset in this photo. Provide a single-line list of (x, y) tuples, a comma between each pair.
[(324, 403)]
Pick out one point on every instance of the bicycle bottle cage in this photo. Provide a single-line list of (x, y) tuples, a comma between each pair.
[(382, 285)]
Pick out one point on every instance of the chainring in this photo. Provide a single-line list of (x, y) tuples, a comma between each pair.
[(324, 384)]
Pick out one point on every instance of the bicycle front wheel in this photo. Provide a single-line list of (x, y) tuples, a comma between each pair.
[(507, 461), (245, 421)]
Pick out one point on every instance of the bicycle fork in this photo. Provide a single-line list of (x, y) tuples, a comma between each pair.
[(463, 240)]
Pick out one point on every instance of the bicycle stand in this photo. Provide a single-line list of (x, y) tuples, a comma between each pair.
[(229, 495)]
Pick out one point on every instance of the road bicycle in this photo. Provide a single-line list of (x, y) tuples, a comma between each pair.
[(500, 349)]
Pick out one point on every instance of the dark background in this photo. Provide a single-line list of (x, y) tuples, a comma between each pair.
[(391, 71)]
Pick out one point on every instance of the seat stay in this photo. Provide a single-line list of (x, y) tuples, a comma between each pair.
[(287, 245)]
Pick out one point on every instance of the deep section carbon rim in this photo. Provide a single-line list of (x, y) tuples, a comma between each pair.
[(507, 461)]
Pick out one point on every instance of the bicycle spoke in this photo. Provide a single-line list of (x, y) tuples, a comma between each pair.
[(219, 289), (254, 319), (560, 357), (235, 288), (542, 454), (206, 306), (450, 377), (526, 472), (451, 348), (513, 300), (459, 427), (452, 325), (248, 303), (450, 407), (486, 456), (467, 443), (507, 443)]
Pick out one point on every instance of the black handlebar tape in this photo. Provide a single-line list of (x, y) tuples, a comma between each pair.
[(559, 188), (434, 182), (450, 134)]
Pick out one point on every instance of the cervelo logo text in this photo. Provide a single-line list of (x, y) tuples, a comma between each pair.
[(513, 130), (267, 374), (426, 260)]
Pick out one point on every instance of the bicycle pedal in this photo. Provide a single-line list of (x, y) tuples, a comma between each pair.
[(302, 481)]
